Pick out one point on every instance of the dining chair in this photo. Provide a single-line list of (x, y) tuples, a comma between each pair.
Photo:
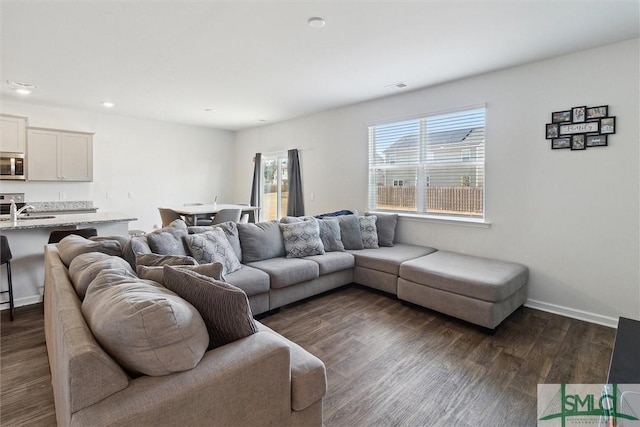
[(202, 219), (168, 216), (5, 258), (224, 215)]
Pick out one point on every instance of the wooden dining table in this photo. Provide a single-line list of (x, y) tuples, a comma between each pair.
[(211, 209)]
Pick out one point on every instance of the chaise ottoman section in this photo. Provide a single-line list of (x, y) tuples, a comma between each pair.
[(479, 290)]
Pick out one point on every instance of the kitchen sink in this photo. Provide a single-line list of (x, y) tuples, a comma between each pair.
[(22, 218)]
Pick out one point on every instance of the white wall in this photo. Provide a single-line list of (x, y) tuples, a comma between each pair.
[(160, 163), (571, 216)]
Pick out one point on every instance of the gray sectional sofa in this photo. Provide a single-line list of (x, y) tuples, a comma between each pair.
[(261, 378)]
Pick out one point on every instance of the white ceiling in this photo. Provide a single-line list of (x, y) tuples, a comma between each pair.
[(259, 61)]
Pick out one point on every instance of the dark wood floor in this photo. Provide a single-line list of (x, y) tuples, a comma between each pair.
[(387, 364)]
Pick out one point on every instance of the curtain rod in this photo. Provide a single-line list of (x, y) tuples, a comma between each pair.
[(271, 153)]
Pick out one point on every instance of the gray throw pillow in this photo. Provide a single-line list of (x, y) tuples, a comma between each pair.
[(223, 307), (230, 229), (213, 270), (168, 242), (386, 226), (330, 235), (145, 327), (74, 245), (135, 245), (85, 267), (350, 231), (152, 260), (213, 246), (369, 231), (260, 241), (302, 239)]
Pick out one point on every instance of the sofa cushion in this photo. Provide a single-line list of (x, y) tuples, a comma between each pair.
[(386, 226), (85, 267), (230, 228), (156, 273), (146, 328), (213, 246), (260, 241), (331, 262), (224, 308), (302, 239), (155, 260), (388, 259), (369, 231), (74, 245), (251, 280), (350, 231), (285, 272), (480, 278)]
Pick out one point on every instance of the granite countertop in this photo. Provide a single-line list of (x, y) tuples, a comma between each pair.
[(70, 206), (51, 221)]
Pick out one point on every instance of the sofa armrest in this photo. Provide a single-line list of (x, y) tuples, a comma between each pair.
[(246, 382)]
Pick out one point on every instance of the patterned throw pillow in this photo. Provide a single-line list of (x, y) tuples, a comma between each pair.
[(302, 239), (369, 231), (213, 270), (213, 246), (223, 307)]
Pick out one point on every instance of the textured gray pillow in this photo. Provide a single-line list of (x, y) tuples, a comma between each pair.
[(369, 231), (230, 229), (350, 231), (302, 239), (213, 246), (135, 245), (154, 260), (74, 245), (167, 242), (261, 241), (224, 308), (85, 267), (386, 226), (330, 235), (213, 270), (146, 328)]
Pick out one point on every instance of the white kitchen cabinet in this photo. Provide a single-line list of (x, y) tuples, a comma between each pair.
[(13, 133), (59, 155)]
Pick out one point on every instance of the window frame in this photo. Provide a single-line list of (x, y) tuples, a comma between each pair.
[(426, 160)]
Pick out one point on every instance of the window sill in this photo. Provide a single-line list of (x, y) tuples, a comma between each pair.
[(441, 219)]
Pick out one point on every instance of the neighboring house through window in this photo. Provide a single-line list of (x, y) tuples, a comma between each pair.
[(432, 165), (275, 190)]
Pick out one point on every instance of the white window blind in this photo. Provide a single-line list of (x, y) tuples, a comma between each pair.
[(432, 165)]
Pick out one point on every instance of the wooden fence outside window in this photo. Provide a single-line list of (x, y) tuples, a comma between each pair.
[(444, 200)]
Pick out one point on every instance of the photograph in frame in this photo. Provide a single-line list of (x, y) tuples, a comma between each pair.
[(596, 141), (579, 114), (552, 130), (560, 143), (597, 112), (561, 116), (608, 125), (578, 142)]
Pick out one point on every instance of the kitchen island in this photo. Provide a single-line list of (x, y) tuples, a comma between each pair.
[(30, 234)]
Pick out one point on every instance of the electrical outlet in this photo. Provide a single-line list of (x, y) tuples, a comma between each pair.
[(131, 194), (313, 196), (109, 195), (62, 195)]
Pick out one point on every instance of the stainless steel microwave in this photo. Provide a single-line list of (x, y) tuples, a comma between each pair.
[(12, 166)]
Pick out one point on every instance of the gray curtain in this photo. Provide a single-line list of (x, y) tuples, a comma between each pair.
[(295, 205), (255, 187)]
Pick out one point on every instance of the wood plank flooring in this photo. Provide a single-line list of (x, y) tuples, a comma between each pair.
[(387, 364)]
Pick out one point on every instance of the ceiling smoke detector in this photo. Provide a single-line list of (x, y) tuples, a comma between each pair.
[(316, 22)]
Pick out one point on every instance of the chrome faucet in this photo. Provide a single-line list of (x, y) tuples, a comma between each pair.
[(14, 212)]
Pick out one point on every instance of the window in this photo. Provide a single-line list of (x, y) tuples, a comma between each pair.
[(439, 159), (275, 190)]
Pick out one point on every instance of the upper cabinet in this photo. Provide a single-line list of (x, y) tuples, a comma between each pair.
[(59, 155), (12, 133)]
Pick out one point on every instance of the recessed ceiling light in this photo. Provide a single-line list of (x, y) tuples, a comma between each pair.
[(316, 22), (398, 85), (262, 120), (108, 104), (210, 110), (21, 87)]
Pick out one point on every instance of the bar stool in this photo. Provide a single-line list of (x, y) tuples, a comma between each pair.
[(57, 235), (5, 257)]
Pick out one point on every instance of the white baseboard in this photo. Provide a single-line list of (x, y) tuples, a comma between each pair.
[(573, 313), (33, 299)]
